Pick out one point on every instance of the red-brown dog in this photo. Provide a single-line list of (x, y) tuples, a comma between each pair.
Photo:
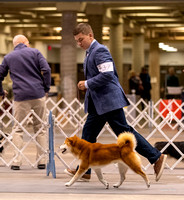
[(97, 155)]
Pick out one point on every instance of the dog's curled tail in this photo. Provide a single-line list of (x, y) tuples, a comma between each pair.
[(126, 139)]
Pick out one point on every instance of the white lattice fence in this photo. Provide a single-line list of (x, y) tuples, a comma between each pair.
[(152, 122), (7, 120)]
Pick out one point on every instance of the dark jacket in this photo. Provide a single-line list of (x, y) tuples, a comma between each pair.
[(29, 71)]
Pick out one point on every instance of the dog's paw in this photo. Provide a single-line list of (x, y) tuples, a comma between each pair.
[(148, 185), (107, 186), (116, 185), (67, 184)]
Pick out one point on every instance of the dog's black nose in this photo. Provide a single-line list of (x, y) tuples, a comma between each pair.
[(64, 150)]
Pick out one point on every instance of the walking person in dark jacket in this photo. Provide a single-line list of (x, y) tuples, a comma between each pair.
[(146, 83), (171, 81), (31, 77)]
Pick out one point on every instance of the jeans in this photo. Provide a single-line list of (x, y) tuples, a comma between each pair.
[(117, 122)]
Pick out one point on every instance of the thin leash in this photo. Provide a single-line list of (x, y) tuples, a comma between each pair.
[(78, 98)]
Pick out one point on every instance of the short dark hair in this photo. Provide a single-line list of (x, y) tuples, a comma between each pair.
[(83, 28)]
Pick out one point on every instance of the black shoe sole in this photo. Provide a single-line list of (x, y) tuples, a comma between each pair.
[(41, 166), (13, 167)]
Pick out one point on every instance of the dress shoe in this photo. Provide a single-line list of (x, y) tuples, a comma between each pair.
[(41, 166), (159, 166), (14, 167), (85, 177)]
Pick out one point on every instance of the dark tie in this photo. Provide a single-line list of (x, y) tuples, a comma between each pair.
[(84, 65), (87, 52)]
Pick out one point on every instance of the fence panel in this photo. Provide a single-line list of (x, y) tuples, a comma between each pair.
[(160, 121)]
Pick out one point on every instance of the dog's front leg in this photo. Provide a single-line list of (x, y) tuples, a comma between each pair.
[(80, 172), (122, 171), (100, 177)]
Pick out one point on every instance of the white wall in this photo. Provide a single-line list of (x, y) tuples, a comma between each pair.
[(53, 56), (80, 55), (169, 58)]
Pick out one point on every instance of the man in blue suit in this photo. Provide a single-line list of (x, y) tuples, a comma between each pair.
[(105, 99)]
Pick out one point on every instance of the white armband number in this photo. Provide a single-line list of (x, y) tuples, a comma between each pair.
[(105, 67)]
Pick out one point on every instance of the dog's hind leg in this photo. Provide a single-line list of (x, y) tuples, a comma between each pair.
[(134, 162), (100, 177), (122, 171), (144, 176), (137, 169)]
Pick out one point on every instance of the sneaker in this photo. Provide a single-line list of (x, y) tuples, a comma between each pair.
[(85, 177), (159, 166), (14, 167), (41, 166)]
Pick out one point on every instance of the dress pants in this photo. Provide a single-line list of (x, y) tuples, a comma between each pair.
[(21, 109), (117, 122)]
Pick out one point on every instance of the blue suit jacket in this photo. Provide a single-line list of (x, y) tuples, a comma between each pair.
[(104, 87)]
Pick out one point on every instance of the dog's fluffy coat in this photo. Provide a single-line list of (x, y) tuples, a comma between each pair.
[(97, 155)]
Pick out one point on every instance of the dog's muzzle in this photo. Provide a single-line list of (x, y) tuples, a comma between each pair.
[(63, 148)]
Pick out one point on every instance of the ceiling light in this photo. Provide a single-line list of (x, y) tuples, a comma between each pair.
[(171, 49), (140, 8), (81, 14), (82, 20), (12, 20), (25, 13), (27, 20), (179, 29), (162, 20), (105, 37), (25, 25), (148, 15), (54, 15), (165, 25), (9, 15), (2, 20), (57, 29), (43, 8), (167, 48), (106, 30)]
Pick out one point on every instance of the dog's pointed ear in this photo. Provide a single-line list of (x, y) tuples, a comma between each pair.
[(70, 141)]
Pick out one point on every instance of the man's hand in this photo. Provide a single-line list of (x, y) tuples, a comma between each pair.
[(81, 85), (46, 95)]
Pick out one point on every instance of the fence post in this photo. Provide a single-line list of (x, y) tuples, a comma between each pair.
[(150, 112), (51, 163)]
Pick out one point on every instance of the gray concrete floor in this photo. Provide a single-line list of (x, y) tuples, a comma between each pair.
[(30, 183), (33, 184)]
